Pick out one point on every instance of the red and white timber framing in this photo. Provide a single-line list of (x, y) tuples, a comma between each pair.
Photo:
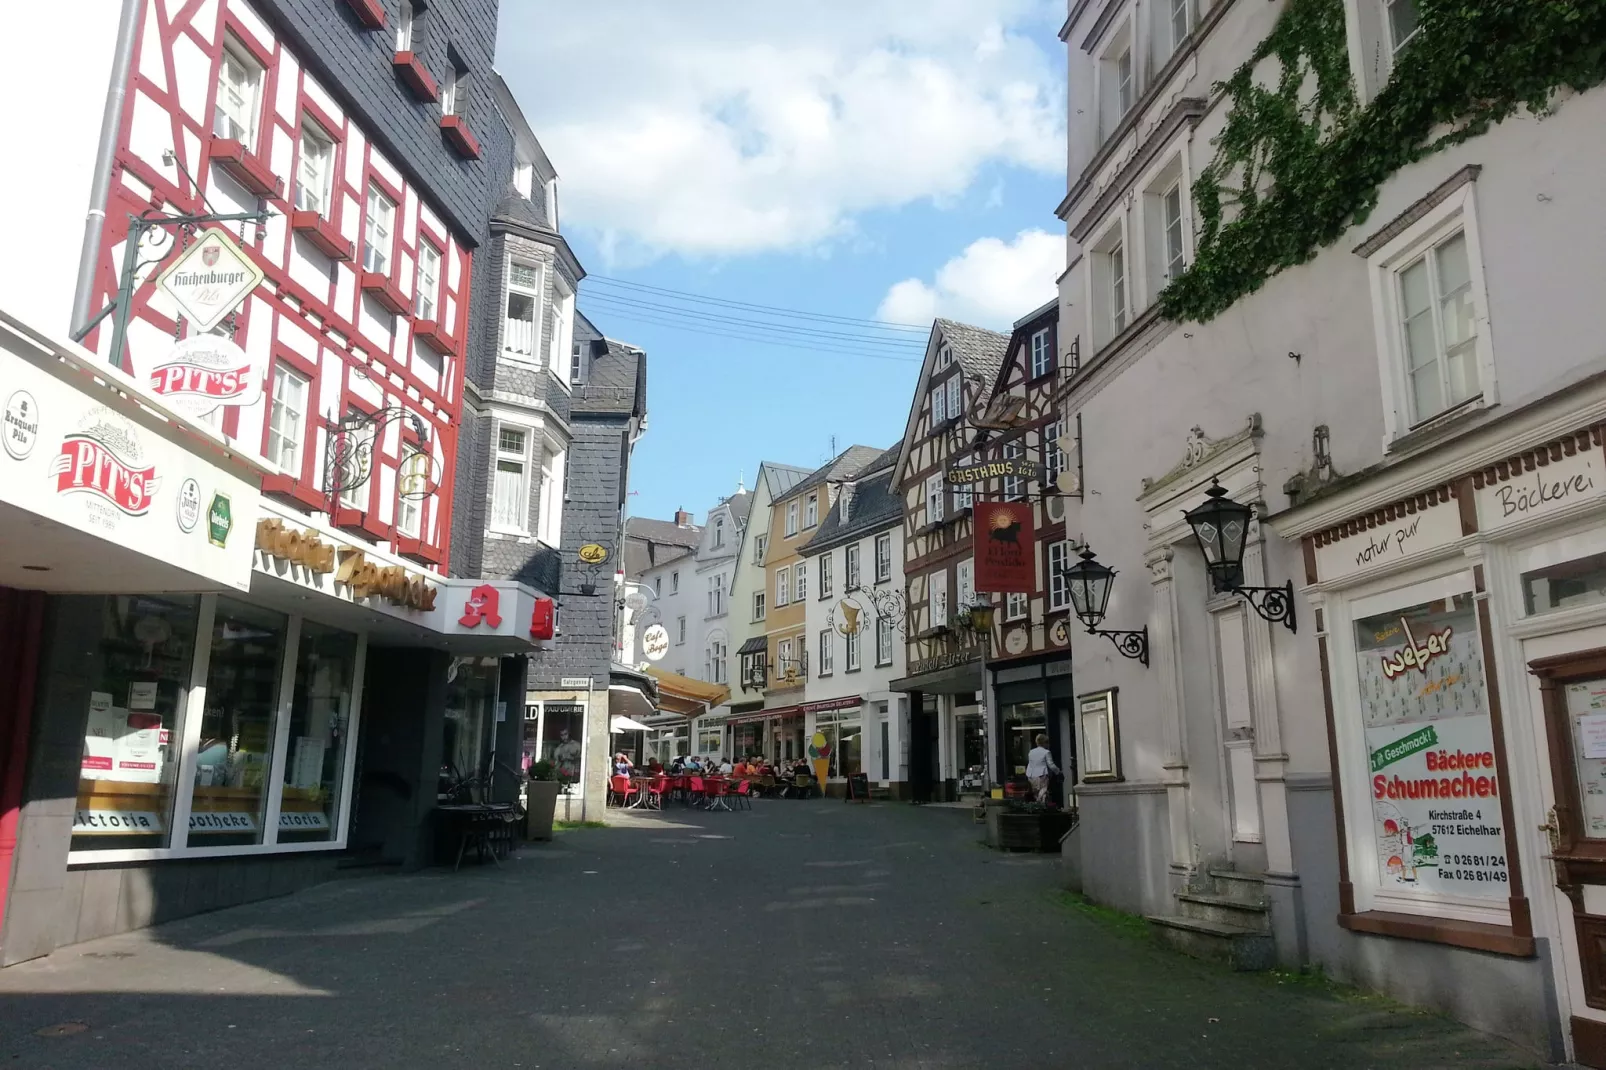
[(313, 314)]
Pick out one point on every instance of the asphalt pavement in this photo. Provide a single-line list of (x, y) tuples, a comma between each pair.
[(800, 934)]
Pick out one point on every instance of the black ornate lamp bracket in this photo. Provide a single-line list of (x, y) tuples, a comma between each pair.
[(349, 462), (1274, 604), (1133, 645)]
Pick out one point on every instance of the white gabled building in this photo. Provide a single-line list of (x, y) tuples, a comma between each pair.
[(855, 625)]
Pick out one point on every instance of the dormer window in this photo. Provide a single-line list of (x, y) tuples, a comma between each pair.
[(551, 193), (454, 89), (719, 532), (811, 511)]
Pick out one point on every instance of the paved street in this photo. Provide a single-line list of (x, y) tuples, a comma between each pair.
[(798, 935)]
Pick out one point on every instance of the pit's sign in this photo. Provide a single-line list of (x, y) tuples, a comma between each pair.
[(209, 280), (201, 373)]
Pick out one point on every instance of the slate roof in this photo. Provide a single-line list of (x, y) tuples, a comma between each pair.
[(844, 466), (875, 504), (979, 351), (514, 208), (616, 375), (741, 503), (650, 543)]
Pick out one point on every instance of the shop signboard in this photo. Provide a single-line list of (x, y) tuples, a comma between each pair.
[(655, 642), (201, 373), (1005, 560), (964, 475), (95, 468), (1382, 545), (209, 280), (1435, 794), (1546, 489)]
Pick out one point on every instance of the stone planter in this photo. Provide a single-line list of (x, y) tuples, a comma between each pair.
[(1026, 830), (541, 799)]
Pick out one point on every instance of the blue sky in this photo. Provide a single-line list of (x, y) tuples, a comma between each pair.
[(873, 159)]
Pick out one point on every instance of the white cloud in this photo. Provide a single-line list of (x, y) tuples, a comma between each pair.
[(992, 283), (733, 126)]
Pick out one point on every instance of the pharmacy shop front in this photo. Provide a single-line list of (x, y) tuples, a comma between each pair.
[(1462, 629), (231, 744)]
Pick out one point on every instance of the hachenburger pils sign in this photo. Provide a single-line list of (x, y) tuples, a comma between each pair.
[(209, 280)]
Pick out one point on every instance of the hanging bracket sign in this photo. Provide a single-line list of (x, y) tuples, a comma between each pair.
[(960, 475), (209, 280)]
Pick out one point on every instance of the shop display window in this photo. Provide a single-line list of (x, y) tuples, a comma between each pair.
[(710, 742), (320, 731), (139, 684), (563, 730), (235, 753), (846, 740), (747, 740), (1021, 723), (1580, 582), (470, 701)]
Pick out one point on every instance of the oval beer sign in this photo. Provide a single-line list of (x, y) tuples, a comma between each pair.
[(593, 553)]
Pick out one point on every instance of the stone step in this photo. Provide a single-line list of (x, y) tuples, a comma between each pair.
[(1224, 909), (1239, 947), (1239, 885)]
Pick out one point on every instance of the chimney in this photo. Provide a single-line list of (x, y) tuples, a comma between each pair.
[(682, 518)]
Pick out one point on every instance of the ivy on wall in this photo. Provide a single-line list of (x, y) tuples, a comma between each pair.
[(1299, 160)]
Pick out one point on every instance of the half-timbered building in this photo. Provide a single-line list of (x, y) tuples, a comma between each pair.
[(1028, 664), (947, 733)]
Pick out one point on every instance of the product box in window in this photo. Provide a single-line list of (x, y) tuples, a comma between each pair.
[(120, 744)]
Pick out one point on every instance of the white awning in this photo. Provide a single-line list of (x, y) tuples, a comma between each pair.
[(624, 724)]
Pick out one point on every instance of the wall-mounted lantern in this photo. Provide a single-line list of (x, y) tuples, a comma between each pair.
[(1090, 582), (1221, 526)]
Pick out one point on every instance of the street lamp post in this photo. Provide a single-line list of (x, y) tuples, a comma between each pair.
[(1221, 527), (1090, 582)]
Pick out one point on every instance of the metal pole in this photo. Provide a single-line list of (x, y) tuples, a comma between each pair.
[(125, 292)]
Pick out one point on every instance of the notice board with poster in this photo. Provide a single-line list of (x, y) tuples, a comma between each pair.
[(1435, 795), (858, 787)]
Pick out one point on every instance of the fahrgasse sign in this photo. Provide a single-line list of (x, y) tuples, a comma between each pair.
[(961, 475), (209, 280)]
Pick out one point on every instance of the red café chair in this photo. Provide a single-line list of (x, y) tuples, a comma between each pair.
[(620, 788), (696, 790), (718, 793), (655, 791), (743, 795)]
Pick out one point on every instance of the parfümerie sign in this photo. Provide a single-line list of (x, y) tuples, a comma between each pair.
[(962, 475)]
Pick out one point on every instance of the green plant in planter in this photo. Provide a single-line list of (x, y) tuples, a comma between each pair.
[(1299, 162), (543, 770)]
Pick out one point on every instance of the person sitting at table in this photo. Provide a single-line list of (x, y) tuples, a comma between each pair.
[(677, 765), (724, 766), (654, 766), (695, 765), (622, 765)]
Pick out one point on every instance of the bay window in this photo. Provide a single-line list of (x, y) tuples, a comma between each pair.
[(510, 482), (521, 324)]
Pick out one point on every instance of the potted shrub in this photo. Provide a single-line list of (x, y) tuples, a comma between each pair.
[(540, 800)]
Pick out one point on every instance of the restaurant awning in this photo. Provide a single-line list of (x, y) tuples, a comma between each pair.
[(685, 696), (624, 724), (756, 645), (846, 702)]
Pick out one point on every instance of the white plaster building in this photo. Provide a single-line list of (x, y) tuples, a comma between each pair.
[(1393, 408), (855, 631)]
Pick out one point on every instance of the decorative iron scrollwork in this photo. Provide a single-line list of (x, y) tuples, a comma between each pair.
[(348, 463)]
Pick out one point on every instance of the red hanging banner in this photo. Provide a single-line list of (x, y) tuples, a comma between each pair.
[(1004, 558)]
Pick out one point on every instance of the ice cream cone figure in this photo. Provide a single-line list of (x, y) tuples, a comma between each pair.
[(820, 755)]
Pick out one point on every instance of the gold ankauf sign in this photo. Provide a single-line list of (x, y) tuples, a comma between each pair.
[(960, 475), (209, 280)]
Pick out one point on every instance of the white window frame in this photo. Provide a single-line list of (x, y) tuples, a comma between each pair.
[(404, 26), (956, 396), (939, 405), (1017, 606), (1394, 46), (1101, 298), (945, 357), (965, 585), (502, 455), (1014, 486), (811, 511), (1173, 22), (826, 579), (934, 498), (1053, 457), (680, 631), (1115, 90), (513, 346), (560, 341), (783, 655), (760, 544), (883, 637), (554, 473), (827, 655), (1456, 212), (1159, 261), (314, 183), (850, 567), (791, 519), (964, 497), (758, 605), (716, 596), (253, 75), (719, 532), (427, 288), (1042, 353), (852, 660), (378, 230), (674, 582), (1058, 560), (937, 597), (783, 586), (800, 581), (409, 511), (883, 561), (283, 376)]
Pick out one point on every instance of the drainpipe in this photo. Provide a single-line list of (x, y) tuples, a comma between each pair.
[(111, 122)]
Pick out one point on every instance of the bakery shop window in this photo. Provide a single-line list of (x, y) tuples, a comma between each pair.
[(320, 732), (139, 684), (235, 754), (1429, 833)]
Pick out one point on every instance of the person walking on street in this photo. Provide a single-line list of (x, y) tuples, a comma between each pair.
[(1040, 769)]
